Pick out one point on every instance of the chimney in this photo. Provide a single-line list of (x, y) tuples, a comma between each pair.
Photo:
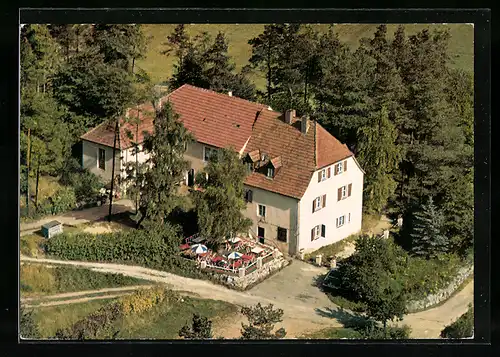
[(230, 93), (304, 125), (289, 114)]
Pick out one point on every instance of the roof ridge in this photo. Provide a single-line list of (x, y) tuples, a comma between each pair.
[(224, 95)]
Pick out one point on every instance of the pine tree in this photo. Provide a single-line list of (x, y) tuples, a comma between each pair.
[(178, 43), (164, 169), (379, 155), (261, 323), (428, 239), (220, 203), (201, 328)]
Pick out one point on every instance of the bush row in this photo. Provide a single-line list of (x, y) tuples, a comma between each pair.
[(62, 201), (100, 324), (138, 247), (463, 327)]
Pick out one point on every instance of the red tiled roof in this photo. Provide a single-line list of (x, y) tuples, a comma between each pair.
[(213, 118), (226, 121)]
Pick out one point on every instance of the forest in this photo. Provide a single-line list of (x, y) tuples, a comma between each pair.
[(394, 100)]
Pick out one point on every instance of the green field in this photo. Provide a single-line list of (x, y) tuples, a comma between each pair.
[(160, 66)]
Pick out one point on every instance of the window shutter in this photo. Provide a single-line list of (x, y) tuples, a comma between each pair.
[(312, 234), (345, 165), (319, 176), (349, 221), (314, 204), (337, 222), (250, 195), (329, 173), (323, 229), (339, 194), (324, 200), (335, 170), (349, 188)]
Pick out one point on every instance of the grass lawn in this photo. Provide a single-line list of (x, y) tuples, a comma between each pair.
[(38, 280), (160, 67), (51, 318), (331, 249), (166, 319)]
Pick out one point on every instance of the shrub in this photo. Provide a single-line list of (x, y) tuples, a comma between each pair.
[(201, 328), (463, 327), (144, 299), (28, 327), (391, 333), (64, 200), (85, 184)]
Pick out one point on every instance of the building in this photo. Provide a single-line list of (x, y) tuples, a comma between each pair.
[(304, 189)]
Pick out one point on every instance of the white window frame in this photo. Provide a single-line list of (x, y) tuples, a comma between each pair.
[(344, 192), (264, 209), (323, 175), (99, 158), (317, 203), (317, 232), (205, 150), (270, 172), (341, 218), (340, 168)]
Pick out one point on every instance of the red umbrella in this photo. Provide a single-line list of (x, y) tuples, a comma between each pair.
[(246, 257)]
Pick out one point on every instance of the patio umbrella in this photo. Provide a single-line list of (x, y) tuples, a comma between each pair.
[(234, 255), (199, 248), (234, 240), (257, 250)]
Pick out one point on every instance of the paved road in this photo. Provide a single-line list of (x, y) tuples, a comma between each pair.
[(74, 218), (292, 289)]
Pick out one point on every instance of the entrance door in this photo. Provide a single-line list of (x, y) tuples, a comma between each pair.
[(261, 233), (191, 177)]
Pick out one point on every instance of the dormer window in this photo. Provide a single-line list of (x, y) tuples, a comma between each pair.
[(270, 172), (249, 166)]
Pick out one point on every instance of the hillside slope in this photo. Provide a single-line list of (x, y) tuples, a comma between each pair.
[(160, 66)]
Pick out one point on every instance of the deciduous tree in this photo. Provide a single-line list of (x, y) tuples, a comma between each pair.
[(200, 328), (261, 321)]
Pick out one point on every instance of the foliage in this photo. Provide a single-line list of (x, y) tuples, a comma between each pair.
[(201, 328), (379, 156), (143, 300), (390, 333), (158, 178), (261, 323), (85, 184), (333, 333), (28, 327), (220, 203), (463, 327), (428, 238), (64, 200), (206, 64)]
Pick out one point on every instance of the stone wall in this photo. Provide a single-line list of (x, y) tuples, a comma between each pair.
[(245, 282), (444, 293)]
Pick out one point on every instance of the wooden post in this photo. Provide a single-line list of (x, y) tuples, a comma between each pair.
[(37, 178), (28, 152), (113, 173)]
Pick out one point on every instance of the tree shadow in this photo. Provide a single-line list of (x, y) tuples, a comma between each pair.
[(318, 280), (348, 319), (186, 219)]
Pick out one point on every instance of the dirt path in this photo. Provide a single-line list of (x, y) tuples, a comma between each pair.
[(77, 294), (300, 311), (74, 218)]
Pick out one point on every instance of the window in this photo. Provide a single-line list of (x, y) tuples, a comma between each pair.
[(324, 174), (344, 192), (249, 166), (270, 172), (261, 211), (339, 168), (208, 153), (318, 203), (281, 234), (101, 162), (261, 232), (248, 195), (318, 231), (340, 221)]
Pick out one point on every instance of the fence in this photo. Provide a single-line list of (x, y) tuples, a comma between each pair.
[(248, 269)]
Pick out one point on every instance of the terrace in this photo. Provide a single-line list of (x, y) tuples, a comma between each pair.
[(240, 256)]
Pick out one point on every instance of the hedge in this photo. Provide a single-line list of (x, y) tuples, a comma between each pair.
[(138, 247), (463, 327)]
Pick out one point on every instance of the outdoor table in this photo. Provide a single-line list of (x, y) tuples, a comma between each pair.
[(246, 257), (198, 240), (217, 259), (184, 246)]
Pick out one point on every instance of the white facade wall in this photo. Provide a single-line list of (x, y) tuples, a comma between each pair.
[(333, 209), (90, 152)]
